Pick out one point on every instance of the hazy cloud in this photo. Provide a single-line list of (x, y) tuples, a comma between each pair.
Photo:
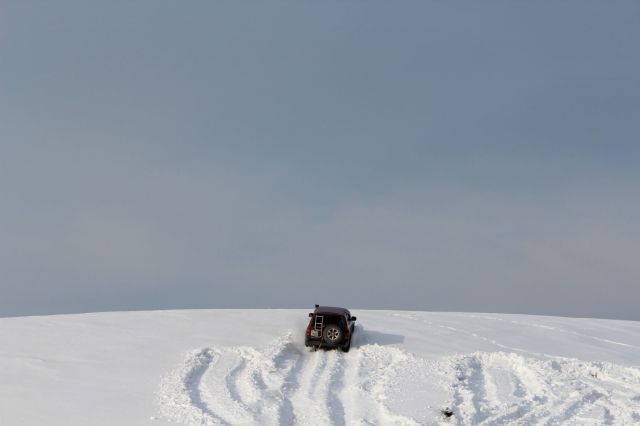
[(429, 156)]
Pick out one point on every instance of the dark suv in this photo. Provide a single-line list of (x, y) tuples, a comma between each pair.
[(330, 327)]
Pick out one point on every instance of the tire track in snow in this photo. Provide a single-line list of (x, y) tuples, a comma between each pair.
[(180, 398), (506, 388), (551, 328), (291, 363), (284, 383), (336, 384), (308, 403), (220, 394)]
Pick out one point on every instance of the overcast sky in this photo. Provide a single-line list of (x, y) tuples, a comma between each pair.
[(401, 155)]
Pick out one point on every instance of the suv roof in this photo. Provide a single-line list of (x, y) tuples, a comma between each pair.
[(332, 310)]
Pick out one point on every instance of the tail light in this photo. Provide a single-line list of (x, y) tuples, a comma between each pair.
[(309, 327)]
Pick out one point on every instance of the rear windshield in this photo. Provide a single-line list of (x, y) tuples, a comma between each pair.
[(332, 319)]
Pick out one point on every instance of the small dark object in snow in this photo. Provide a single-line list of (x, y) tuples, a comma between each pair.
[(447, 412)]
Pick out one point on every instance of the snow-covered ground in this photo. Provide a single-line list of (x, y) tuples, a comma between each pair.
[(251, 367)]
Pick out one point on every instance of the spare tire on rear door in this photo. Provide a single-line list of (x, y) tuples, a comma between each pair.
[(332, 334)]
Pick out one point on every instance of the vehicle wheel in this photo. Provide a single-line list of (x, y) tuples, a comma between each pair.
[(332, 335), (346, 347)]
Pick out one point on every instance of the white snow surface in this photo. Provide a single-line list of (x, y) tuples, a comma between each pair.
[(245, 367)]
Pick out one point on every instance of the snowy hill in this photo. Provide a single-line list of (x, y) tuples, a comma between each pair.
[(251, 367)]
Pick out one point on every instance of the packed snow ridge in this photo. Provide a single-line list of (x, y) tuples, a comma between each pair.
[(248, 367)]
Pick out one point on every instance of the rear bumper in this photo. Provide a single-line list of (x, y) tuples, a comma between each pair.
[(317, 341)]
